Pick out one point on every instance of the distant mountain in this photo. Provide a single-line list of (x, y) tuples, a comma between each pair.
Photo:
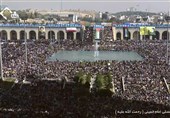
[(132, 13)]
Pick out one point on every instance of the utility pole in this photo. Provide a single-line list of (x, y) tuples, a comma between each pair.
[(167, 55), (2, 77), (25, 17), (1, 57), (82, 34), (26, 58), (50, 27)]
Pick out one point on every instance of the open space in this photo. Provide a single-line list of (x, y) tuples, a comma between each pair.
[(89, 56)]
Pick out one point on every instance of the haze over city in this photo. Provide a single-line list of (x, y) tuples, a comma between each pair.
[(97, 5)]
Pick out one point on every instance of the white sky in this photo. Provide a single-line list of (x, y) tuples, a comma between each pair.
[(98, 5)]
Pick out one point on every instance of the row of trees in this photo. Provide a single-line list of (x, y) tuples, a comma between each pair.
[(102, 82), (30, 15)]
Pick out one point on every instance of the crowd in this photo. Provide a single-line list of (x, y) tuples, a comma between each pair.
[(48, 99), (143, 79)]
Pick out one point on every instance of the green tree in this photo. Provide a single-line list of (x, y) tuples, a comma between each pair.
[(82, 78), (32, 15), (98, 19), (79, 77), (108, 81), (36, 14), (23, 15), (99, 81), (104, 82), (88, 78)]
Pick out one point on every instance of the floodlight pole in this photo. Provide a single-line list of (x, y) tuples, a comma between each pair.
[(144, 35), (26, 55), (82, 35), (50, 27), (167, 55), (1, 58), (2, 77)]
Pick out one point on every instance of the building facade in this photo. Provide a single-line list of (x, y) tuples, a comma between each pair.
[(59, 31)]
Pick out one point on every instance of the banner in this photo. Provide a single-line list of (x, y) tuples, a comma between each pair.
[(97, 34), (151, 30), (144, 31), (41, 28), (147, 30), (125, 32)]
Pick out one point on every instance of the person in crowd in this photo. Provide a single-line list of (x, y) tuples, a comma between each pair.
[(143, 79)]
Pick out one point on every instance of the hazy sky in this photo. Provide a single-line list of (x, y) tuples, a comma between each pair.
[(98, 5)]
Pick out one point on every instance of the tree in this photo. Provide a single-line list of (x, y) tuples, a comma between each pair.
[(98, 19), (103, 82), (88, 78), (36, 14), (82, 78), (103, 85), (78, 76), (99, 82), (23, 15), (108, 81)]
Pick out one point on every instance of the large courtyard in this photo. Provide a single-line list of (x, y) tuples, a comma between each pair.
[(90, 56)]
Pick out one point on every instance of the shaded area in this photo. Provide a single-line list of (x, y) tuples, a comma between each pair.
[(32, 35), (60, 35), (3, 35), (13, 35), (118, 36), (50, 99)]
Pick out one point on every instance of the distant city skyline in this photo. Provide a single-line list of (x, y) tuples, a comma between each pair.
[(97, 5)]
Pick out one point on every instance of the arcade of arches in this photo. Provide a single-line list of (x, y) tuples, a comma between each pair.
[(136, 35), (14, 35)]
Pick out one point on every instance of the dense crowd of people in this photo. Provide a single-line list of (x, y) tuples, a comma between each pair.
[(143, 79)]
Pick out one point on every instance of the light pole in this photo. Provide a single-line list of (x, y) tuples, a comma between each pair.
[(26, 58), (2, 77), (24, 17), (82, 35), (167, 54), (50, 27)]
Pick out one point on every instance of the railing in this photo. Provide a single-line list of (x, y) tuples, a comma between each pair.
[(137, 25), (80, 26), (37, 25)]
